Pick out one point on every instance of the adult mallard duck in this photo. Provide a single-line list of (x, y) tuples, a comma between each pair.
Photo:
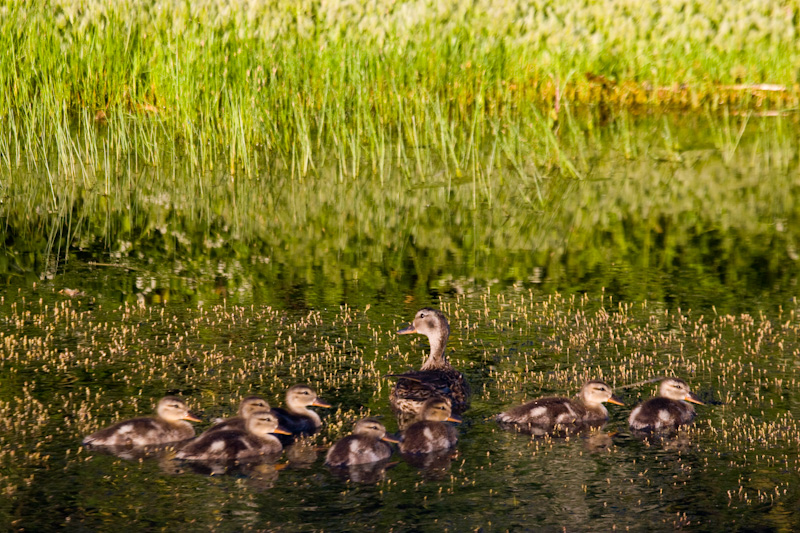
[(547, 412), (247, 407), (168, 426), (297, 418), (256, 440), (367, 444), (667, 411), (436, 378), (432, 433)]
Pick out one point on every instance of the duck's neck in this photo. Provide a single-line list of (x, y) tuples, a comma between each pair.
[(437, 360), (303, 410)]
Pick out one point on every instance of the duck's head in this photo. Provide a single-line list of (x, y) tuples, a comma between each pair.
[(438, 410), (251, 404), (595, 392), (263, 422), (172, 409), (303, 396), (428, 322), (370, 427), (677, 389)]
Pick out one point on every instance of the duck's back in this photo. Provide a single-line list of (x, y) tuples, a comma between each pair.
[(545, 412), (660, 414), (228, 446), (144, 431), (357, 450), (416, 386), (427, 436), (236, 423)]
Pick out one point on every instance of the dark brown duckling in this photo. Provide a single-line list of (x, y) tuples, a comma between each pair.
[(247, 407), (367, 444), (168, 426), (667, 411), (436, 378), (550, 411), (297, 418), (432, 433), (257, 440)]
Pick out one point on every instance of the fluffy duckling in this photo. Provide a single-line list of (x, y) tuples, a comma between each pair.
[(257, 439), (169, 425), (547, 412), (247, 407), (297, 418), (667, 411), (436, 378), (367, 444), (432, 433)]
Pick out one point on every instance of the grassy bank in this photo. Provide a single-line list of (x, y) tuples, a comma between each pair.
[(243, 83)]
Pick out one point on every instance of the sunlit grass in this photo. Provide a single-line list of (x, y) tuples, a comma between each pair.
[(237, 82)]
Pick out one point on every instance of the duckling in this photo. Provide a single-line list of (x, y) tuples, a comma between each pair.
[(432, 433), (436, 378), (247, 407), (166, 427), (667, 411), (297, 418), (230, 445), (367, 444), (547, 412)]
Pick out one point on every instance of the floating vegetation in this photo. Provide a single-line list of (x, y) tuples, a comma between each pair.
[(70, 366)]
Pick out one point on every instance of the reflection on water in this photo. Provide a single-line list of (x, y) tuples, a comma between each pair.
[(679, 262)]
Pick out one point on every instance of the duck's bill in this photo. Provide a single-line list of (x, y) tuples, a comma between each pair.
[(406, 331), (387, 438), (692, 397), (281, 431), (320, 403), (453, 418), (615, 400), (191, 418)]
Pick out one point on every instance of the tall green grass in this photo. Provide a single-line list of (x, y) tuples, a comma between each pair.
[(254, 83)]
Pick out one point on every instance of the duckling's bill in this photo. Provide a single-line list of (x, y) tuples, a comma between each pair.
[(615, 400), (692, 397), (406, 331), (453, 418), (192, 418), (279, 430), (319, 403)]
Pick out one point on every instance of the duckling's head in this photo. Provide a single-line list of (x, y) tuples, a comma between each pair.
[(263, 422), (251, 404), (677, 389), (428, 322), (595, 392), (172, 409), (302, 396), (369, 427), (438, 410)]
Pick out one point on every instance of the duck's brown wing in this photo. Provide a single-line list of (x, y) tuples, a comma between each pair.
[(421, 385)]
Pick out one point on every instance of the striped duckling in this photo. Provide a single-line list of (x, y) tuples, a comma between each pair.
[(672, 408), (258, 439), (547, 412), (168, 426), (432, 433), (367, 444)]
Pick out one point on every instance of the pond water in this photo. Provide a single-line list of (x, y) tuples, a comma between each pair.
[(678, 262)]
